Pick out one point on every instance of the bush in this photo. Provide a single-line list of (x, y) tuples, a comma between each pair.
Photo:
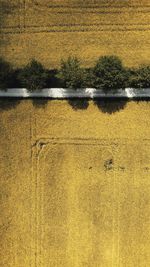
[(33, 76), (6, 74), (140, 78), (89, 78), (109, 73), (71, 74), (53, 81)]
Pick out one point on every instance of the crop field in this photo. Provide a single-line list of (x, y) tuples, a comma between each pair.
[(52, 30), (74, 185)]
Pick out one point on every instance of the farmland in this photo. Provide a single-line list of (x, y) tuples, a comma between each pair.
[(74, 185), (49, 32)]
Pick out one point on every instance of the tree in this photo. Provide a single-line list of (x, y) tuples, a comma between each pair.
[(140, 77), (71, 74), (109, 73), (6, 74), (33, 76)]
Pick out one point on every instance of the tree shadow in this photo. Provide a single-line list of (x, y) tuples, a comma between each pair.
[(8, 103), (79, 103), (110, 105), (144, 99), (39, 102)]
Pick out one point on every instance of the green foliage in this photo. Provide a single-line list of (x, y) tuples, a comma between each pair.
[(109, 73), (140, 77), (33, 76), (71, 74), (53, 81), (6, 74), (89, 78)]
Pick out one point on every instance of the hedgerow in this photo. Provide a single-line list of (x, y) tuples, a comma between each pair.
[(33, 76), (6, 74), (140, 77), (107, 74)]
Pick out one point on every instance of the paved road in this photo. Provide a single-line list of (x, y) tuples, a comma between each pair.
[(79, 93)]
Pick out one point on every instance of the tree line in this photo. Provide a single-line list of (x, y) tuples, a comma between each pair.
[(108, 73)]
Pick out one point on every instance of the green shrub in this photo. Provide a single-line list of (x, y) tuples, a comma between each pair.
[(71, 74), (53, 81), (33, 76), (89, 78), (140, 77), (6, 74), (109, 73)]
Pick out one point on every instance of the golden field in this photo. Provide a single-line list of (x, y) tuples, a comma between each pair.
[(74, 185), (52, 30)]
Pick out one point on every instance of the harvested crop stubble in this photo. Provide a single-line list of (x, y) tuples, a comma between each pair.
[(87, 29), (74, 185)]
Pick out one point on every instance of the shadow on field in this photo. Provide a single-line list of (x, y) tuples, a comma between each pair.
[(110, 106), (39, 102), (139, 100), (79, 103), (8, 103)]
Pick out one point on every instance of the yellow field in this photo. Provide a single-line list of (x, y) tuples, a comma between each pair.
[(74, 186), (52, 30)]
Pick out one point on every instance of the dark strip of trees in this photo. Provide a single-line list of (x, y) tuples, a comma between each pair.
[(108, 73)]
